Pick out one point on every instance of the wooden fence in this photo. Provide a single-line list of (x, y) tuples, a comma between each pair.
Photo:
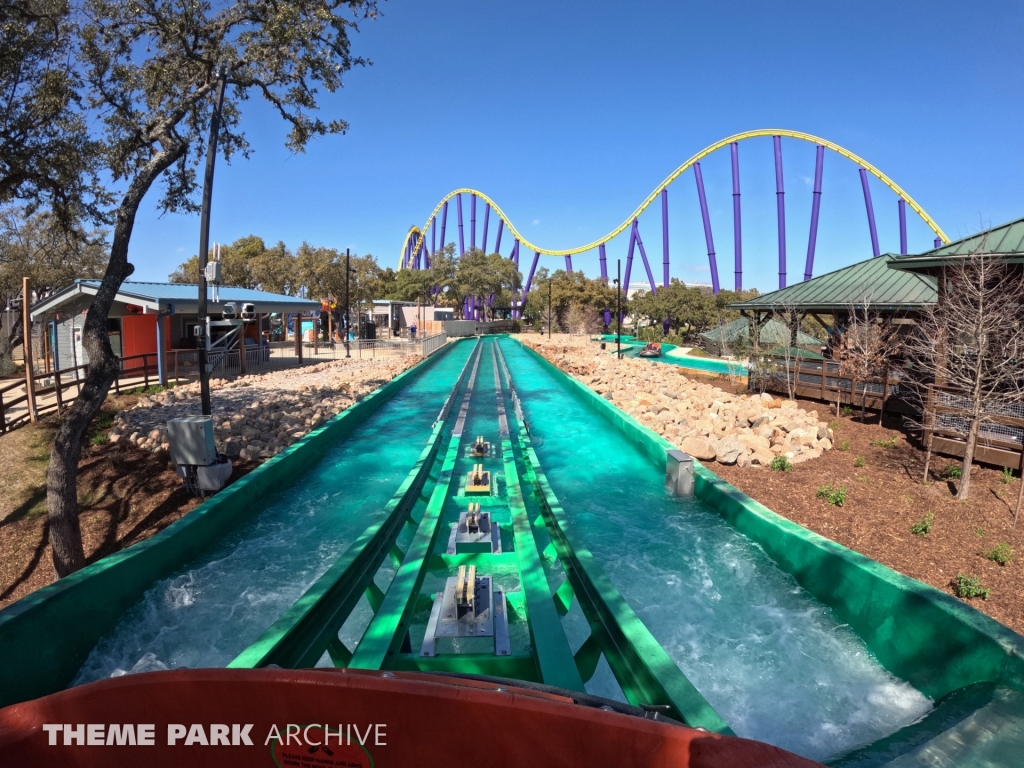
[(822, 380), (1000, 437)]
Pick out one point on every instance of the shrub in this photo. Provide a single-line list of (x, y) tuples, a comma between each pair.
[(106, 421), (844, 445), (923, 526), (780, 464), (835, 425), (953, 471), (100, 439), (1001, 553), (1007, 477), (889, 442), (834, 496), (859, 461), (847, 410), (969, 586)]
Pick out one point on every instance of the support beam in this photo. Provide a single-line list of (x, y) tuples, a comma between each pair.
[(903, 225), (812, 238), (604, 263), (433, 240), (629, 262), (462, 241), (568, 263), (487, 216), (529, 280), (472, 222), (161, 367), (737, 230), (780, 205), (444, 222), (708, 238), (515, 253), (643, 256), (664, 235), (938, 242), (497, 240), (871, 211)]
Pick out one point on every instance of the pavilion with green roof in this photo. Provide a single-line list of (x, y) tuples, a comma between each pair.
[(1005, 241)]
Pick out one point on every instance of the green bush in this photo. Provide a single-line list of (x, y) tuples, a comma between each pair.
[(105, 421), (923, 526), (953, 471), (859, 461), (1007, 477), (847, 410), (835, 425), (834, 496), (1001, 553), (100, 439), (780, 464), (889, 442), (844, 445), (969, 586)]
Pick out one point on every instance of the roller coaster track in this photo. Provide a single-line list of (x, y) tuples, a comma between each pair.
[(415, 239)]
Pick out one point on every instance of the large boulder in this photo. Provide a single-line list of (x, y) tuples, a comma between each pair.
[(699, 447), (729, 450)]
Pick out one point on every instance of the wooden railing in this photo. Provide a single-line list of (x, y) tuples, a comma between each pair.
[(823, 380), (1000, 436)]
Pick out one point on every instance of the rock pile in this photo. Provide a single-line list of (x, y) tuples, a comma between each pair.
[(258, 416), (701, 419)]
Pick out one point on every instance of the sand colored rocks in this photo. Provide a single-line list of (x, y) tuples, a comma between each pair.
[(702, 419)]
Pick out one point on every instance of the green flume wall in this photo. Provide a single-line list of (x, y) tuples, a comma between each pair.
[(46, 636)]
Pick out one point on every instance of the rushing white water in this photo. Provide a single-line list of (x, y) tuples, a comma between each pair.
[(212, 608), (770, 658)]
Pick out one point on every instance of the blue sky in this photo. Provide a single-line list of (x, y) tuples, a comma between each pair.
[(569, 113)]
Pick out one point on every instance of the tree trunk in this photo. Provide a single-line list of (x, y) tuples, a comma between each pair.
[(965, 472), (62, 475)]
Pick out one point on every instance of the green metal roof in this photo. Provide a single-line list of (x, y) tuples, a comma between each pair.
[(772, 332), (1006, 240), (870, 281)]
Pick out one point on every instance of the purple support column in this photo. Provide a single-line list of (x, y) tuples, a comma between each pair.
[(462, 242), (780, 205), (497, 240), (568, 263), (487, 215), (737, 229), (903, 225), (421, 253), (629, 262), (529, 280), (871, 211), (408, 250), (664, 233), (643, 255), (604, 262), (515, 253), (444, 222), (607, 316), (433, 238), (712, 261), (472, 222), (938, 242), (812, 238)]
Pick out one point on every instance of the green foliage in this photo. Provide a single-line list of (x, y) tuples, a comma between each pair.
[(1001, 553), (835, 425), (923, 526), (889, 442), (979, 532), (1007, 476), (953, 471), (105, 421), (847, 410), (968, 587), (834, 496), (844, 445), (697, 352), (100, 439), (568, 288), (859, 461), (780, 464)]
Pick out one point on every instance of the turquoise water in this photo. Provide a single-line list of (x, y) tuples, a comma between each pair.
[(215, 606), (771, 659), (631, 348)]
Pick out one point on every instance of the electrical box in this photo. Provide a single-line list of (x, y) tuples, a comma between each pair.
[(213, 272), (191, 439), (679, 473)]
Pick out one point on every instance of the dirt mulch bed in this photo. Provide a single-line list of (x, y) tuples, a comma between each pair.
[(125, 495), (886, 496)]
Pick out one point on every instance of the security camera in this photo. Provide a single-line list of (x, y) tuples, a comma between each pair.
[(229, 311), (248, 311)]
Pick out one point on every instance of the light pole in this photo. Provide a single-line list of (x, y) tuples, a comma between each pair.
[(618, 309), (204, 243), (348, 307)]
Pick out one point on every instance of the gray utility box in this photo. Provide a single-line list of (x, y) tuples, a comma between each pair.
[(679, 473), (470, 616), (191, 440)]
